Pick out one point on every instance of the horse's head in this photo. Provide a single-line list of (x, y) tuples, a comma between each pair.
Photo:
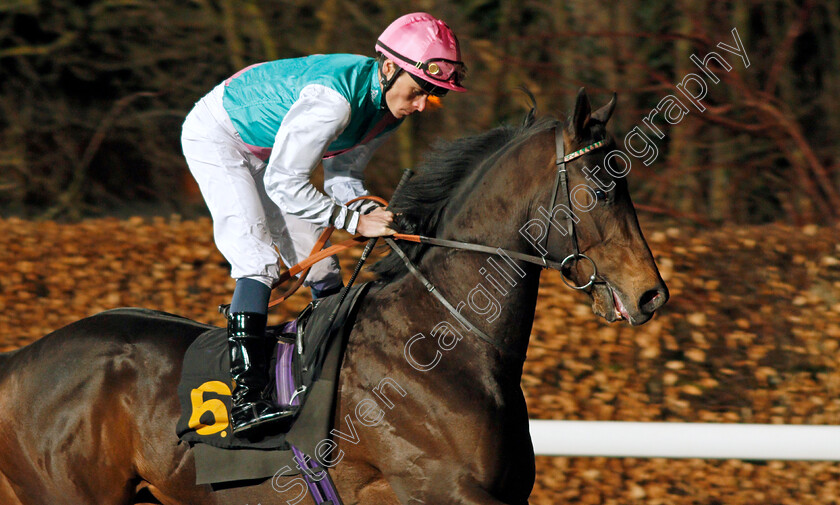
[(510, 173), (628, 285)]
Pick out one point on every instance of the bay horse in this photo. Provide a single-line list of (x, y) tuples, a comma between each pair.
[(427, 412)]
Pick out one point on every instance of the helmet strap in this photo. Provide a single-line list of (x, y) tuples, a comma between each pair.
[(387, 83)]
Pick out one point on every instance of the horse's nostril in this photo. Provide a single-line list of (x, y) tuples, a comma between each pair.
[(651, 300)]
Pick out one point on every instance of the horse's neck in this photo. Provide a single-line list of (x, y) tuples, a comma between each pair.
[(500, 294), (493, 293)]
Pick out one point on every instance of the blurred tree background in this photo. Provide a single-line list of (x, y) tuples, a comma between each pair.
[(93, 93)]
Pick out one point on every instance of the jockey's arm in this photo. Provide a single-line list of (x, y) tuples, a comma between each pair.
[(312, 123), (344, 174)]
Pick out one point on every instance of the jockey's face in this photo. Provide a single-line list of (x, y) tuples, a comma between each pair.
[(405, 97)]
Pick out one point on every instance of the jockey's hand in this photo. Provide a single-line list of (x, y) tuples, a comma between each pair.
[(376, 223)]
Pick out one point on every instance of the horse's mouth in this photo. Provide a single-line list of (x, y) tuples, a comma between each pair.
[(604, 302), (611, 307), (620, 309), (607, 303)]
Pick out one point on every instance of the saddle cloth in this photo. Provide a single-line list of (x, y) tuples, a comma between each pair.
[(205, 388)]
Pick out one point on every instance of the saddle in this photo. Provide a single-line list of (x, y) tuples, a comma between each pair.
[(307, 358)]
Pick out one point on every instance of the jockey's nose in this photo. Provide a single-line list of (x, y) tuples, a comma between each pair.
[(420, 104)]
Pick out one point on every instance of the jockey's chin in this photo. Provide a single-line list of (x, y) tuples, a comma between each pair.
[(402, 114)]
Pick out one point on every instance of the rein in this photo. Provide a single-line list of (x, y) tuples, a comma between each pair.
[(561, 186)]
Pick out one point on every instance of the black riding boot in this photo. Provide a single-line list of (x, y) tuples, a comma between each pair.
[(249, 352)]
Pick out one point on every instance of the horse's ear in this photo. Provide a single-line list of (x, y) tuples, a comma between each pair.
[(529, 118), (580, 117), (604, 113)]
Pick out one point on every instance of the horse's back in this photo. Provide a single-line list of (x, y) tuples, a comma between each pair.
[(83, 404), (98, 346)]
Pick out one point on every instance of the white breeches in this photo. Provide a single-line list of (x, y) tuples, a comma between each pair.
[(248, 227)]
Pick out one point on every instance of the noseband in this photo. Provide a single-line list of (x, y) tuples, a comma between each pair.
[(561, 185)]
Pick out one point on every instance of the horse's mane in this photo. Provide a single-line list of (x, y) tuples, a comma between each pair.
[(422, 200)]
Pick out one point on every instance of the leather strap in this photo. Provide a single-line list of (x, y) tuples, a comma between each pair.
[(466, 246), (561, 185), (452, 310), (317, 254), (431, 289), (563, 178)]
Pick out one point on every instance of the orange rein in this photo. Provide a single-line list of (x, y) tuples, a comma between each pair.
[(317, 253)]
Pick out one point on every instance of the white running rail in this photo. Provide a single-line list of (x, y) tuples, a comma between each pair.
[(686, 440)]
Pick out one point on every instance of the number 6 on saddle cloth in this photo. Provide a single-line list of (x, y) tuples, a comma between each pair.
[(205, 388)]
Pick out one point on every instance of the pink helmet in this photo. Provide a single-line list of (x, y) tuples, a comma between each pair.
[(426, 48)]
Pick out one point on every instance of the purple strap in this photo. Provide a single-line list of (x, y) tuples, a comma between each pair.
[(285, 376), (285, 383), (322, 490), (313, 484)]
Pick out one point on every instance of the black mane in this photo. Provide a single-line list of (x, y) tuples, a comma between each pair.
[(422, 200)]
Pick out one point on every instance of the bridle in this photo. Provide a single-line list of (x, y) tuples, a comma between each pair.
[(561, 186), (561, 183)]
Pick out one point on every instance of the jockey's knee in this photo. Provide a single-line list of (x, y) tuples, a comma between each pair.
[(326, 287)]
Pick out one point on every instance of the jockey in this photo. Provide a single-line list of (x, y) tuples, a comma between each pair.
[(252, 144)]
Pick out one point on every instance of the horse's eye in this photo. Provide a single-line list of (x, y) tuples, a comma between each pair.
[(600, 195)]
